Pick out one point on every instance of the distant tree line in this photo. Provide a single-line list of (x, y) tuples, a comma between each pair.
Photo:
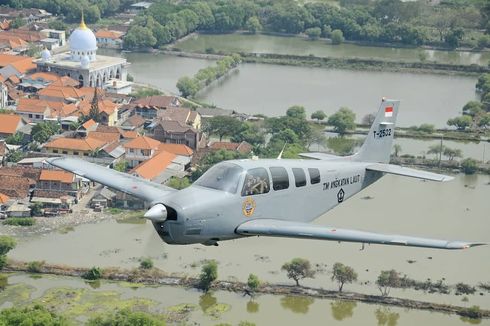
[(407, 22)]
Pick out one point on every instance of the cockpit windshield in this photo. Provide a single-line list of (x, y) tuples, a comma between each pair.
[(224, 176)]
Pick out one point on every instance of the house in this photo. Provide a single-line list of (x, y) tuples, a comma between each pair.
[(140, 149), (109, 39), (148, 107), (134, 122), (58, 183), (243, 147), (74, 146), (10, 124), (168, 131)]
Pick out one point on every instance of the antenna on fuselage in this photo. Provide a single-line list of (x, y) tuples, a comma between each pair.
[(282, 151)]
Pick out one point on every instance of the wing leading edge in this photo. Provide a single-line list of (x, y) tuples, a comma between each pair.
[(124, 182), (280, 228)]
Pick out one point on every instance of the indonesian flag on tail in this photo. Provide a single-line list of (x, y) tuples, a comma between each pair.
[(388, 111)]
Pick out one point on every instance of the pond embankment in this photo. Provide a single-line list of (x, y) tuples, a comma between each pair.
[(156, 276)]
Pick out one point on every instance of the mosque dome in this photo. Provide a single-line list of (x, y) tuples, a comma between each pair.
[(82, 43), (45, 55), (84, 62)]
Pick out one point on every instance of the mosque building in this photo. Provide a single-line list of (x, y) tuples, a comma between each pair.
[(82, 62)]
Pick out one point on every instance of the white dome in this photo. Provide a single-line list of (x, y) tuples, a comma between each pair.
[(82, 39), (85, 61), (45, 55)]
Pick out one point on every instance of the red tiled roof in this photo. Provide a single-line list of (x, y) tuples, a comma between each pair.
[(9, 123), (56, 175), (143, 142), (151, 168)]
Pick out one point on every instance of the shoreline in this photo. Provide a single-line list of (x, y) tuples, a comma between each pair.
[(156, 276)]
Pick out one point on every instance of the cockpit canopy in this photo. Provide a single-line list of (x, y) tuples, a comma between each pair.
[(223, 176)]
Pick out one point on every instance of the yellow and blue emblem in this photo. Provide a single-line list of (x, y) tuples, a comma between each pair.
[(248, 206)]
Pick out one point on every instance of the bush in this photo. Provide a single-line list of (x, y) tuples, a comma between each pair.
[(94, 273), (20, 221), (146, 263), (35, 266), (469, 166), (209, 273)]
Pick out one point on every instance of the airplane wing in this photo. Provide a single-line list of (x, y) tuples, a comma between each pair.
[(407, 172), (140, 188), (288, 229)]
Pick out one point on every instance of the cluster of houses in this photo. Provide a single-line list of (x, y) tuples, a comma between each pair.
[(154, 138)]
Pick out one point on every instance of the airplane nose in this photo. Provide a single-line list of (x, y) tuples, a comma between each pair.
[(158, 213)]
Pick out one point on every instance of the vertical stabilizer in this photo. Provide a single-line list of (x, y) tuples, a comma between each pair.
[(378, 143)]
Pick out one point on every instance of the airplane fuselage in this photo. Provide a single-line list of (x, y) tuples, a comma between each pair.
[(298, 190)]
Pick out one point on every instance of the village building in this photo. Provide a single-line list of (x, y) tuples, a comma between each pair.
[(10, 124), (82, 62)]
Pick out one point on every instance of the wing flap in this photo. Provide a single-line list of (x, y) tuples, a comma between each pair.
[(124, 182), (408, 172), (281, 228)]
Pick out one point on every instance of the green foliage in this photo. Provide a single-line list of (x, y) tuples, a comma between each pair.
[(146, 263), (14, 156), (387, 280), (20, 221), (35, 315), (318, 115), (94, 273), (145, 92), (461, 123), (178, 183), (126, 317), (253, 282), (43, 130), (253, 24), (343, 274), (337, 36), (222, 126), (469, 166), (298, 269), (209, 274), (342, 120), (313, 32), (35, 266)]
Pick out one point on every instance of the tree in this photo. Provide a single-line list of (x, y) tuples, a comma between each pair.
[(386, 280), (342, 120), (313, 33), (188, 87), (33, 315), (222, 126), (253, 282), (126, 317), (253, 24), (469, 166), (298, 269), (209, 274), (318, 115), (461, 122), (337, 36), (343, 274)]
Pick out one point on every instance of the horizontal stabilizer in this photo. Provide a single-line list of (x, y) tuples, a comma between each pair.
[(320, 156), (407, 172), (289, 229)]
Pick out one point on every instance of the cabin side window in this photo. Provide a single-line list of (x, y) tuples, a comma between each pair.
[(299, 177), (280, 178), (256, 182), (314, 175)]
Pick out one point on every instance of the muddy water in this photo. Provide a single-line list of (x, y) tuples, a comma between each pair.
[(264, 310), (453, 210)]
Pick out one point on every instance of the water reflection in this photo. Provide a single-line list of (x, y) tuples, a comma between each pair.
[(342, 309), (252, 307), (386, 317), (296, 304)]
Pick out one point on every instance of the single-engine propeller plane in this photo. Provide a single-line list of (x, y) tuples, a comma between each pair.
[(270, 197)]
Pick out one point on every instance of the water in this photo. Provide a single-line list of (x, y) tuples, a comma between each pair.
[(452, 210), (263, 310), (301, 46)]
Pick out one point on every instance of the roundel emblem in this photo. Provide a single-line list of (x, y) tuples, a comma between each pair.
[(248, 206)]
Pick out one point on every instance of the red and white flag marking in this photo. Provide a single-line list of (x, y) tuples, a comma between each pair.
[(388, 111)]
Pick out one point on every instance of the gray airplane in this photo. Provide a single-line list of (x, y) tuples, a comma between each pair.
[(270, 197)]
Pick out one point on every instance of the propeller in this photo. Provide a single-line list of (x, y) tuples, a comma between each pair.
[(157, 213)]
